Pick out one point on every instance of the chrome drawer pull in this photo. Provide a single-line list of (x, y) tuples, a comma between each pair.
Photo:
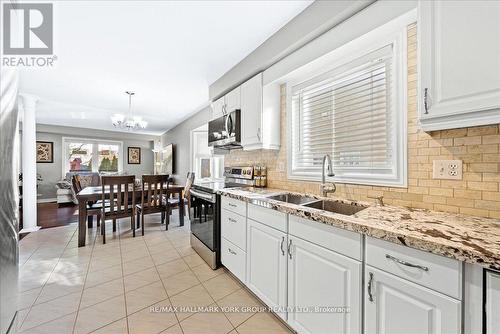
[(233, 205), (232, 220), (231, 251), (370, 287), (404, 263)]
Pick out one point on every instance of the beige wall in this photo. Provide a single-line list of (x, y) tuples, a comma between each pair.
[(476, 194)]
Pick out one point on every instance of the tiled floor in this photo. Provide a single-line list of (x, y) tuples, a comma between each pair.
[(129, 285)]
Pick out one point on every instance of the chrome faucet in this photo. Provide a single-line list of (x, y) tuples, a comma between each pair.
[(330, 187)]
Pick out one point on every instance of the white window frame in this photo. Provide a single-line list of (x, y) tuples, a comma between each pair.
[(393, 33), (95, 152)]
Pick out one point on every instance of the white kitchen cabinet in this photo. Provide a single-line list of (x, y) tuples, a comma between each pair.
[(492, 302), (260, 115), (233, 99), (320, 277), (218, 108), (394, 305), (459, 69), (266, 265)]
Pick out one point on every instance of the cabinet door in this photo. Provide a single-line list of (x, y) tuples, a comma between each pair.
[(492, 305), (459, 63), (320, 277), (394, 305), (251, 112), (217, 108), (233, 100), (266, 264)]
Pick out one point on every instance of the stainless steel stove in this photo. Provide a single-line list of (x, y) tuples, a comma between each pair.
[(205, 212)]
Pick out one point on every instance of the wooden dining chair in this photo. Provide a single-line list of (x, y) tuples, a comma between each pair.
[(154, 190), (175, 202), (121, 193), (93, 208)]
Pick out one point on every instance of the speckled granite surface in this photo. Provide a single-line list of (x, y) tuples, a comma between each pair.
[(465, 238)]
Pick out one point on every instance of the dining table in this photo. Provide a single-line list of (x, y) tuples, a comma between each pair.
[(94, 193)]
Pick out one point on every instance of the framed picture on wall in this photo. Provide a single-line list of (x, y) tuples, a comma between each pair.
[(44, 152), (167, 160), (134, 155)]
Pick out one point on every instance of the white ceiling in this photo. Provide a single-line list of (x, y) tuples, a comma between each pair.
[(168, 52)]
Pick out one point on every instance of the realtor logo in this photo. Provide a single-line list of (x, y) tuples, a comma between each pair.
[(28, 29)]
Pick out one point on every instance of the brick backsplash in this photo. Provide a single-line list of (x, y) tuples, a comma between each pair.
[(478, 147)]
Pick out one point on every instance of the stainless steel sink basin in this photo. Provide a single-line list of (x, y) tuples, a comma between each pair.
[(336, 207), (293, 199)]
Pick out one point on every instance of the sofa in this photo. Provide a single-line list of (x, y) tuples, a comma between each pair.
[(65, 191)]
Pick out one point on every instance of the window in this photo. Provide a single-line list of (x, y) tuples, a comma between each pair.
[(351, 113), (203, 162), (92, 155)]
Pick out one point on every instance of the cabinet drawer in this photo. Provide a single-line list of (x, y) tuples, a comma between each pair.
[(338, 240), (234, 228), (269, 217), (435, 272), (233, 258), (234, 205)]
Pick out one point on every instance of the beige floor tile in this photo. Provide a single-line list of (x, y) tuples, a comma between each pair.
[(141, 278), (102, 292), (180, 282), (145, 296), (172, 268), (242, 300), (51, 310), (102, 276), (63, 325), (99, 315), (262, 323), (175, 329), (193, 260), (61, 288), (164, 257), (192, 298), (27, 298), (104, 262), (152, 319), (207, 323), (128, 256), (117, 327), (221, 285), (140, 264), (161, 247), (204, 272), (185, 250)]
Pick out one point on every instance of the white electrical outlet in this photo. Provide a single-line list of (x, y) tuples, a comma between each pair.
[(447, 169)]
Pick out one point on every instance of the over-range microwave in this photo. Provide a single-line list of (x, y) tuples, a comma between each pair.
[(225, 131)]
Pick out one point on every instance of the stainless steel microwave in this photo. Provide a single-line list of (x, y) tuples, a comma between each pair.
[(225, 131)]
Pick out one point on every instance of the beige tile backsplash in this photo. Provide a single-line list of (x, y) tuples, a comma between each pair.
[(478, 147)]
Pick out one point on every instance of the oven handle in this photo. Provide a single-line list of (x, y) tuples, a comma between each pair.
[(208, 197)]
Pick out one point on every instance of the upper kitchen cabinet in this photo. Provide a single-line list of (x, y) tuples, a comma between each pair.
[(227, 103), (260, 115), (459, 55)]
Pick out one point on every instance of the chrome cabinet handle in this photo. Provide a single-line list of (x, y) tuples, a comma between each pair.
[(231, 251), (233, 205), (232, 220), (258, 134), (370, 287), (426, 102), (289, 249), (281, 246), (405, 263)]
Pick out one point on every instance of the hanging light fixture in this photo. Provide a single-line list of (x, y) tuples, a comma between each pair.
[(130, 123)]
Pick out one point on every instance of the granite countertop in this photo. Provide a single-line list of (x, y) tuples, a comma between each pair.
[(464, 238)]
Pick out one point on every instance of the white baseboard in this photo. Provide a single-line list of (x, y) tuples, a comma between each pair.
[(46, 200), (29, 229)]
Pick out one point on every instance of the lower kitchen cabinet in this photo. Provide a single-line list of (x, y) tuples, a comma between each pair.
[(492, 301), (320, 277), (266, 265), (394, 305)]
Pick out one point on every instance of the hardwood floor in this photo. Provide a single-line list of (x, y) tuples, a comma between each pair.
[(50, 215)]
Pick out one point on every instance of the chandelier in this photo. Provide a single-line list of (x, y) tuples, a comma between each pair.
[(129, 122)]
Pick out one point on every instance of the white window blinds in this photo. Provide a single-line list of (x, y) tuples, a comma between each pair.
[(348, 114)]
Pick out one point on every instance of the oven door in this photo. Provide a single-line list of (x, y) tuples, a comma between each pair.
[(204, 218)]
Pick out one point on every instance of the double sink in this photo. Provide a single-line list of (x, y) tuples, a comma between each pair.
[(326, 205)]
